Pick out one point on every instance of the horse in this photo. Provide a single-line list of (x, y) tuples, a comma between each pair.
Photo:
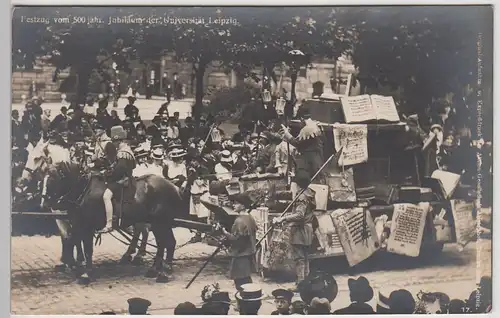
[(40, 158), (151, 200)]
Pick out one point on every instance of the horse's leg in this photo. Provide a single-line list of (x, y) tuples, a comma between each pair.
[(67, 258), (141, 229), (144, 241), (161, 241), (170, 244), (127, 257), (80, 257), (88, 247), (158, 261)]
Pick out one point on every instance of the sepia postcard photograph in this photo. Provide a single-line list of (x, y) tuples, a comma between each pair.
[(260, 160)]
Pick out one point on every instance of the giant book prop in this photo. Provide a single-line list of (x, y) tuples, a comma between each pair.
[(369, 108), (448, 182), (353, 139), (356, 231), (465, 225), (407, 228), (327, 235)]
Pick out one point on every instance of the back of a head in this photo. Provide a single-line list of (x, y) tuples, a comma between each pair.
[(214, 308), (250, 307), (186, 308), (401, 302)]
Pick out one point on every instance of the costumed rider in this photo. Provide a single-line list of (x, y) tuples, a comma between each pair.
[(300, 223), (119, 174), (102, 139), (308, 143), (175, 170)]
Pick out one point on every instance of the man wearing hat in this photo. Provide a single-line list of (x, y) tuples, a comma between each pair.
[(100, 144), (300, 223), (249, 298), (122, 163), (309, 145), (243, 240), (282, 300), (130, 109), (360, 293), (138, 306)]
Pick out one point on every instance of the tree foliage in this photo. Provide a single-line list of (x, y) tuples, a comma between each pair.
[(427, 53)]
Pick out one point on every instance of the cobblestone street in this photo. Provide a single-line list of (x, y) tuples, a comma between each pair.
[(37, 289)]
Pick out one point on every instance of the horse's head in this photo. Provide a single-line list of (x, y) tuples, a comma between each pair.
[(41, 158), (37, 164), (58, 182)]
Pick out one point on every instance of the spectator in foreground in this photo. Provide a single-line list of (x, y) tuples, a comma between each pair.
[(319, 306), (186, 308), (457, 306), (249, 299), (401, 302), (215, 301), (298, 308), (360, 292), (138, 306)]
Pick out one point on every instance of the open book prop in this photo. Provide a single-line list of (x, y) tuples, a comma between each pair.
[(465, 225), (442, 183), (369, 109), (356, 231), (407, 228)]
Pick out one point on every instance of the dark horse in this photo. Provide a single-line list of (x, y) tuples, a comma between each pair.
[(152, 199)]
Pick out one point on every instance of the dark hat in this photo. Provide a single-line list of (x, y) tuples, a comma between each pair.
[(132, 98), (246, 201), (360, 289), (401, 302), (250, 292), (302, 178), (186, 308), (64, 108), (318, 284), (107, 313), (299, 307), (138, 305), (281, 293)]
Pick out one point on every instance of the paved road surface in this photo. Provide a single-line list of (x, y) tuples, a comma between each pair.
[(37, 289)]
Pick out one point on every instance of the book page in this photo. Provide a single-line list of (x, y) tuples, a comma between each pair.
[(407, 228), (449, 181), (465, 225), (356, 231), (385, 108), (358, 109), (354, 139), (327, 235)]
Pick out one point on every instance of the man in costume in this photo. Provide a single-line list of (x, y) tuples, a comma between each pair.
[(122, 163), (300, 223), (309, 145), (243, 240)]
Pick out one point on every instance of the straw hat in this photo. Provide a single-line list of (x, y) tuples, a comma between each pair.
[(250, 292), (177, 153), (225, 156), (157, 154)]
